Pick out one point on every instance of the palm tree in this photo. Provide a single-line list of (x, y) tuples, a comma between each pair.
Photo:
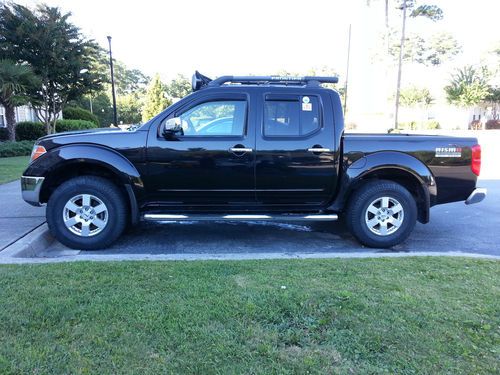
[(15, 79)]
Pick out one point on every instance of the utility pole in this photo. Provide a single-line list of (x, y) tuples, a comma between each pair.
[(115, 120), (398, 88), (347, 70)]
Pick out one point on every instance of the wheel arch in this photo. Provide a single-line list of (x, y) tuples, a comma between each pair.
[(402, 168), (77, 160)]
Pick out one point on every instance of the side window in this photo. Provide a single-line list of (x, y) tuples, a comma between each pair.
[(219, 118), (291, 117)]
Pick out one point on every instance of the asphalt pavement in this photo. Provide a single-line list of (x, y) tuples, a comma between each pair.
[(454, 227), (16, 216)]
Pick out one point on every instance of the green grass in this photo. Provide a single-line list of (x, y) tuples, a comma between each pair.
[(404, 316), (12, 168)]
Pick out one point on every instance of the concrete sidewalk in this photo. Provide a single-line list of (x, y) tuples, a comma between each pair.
[(16, 216)]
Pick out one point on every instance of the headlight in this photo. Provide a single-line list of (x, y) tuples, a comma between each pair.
[(37, 152)]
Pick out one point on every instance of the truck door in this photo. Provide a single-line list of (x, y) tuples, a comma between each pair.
[(295, 150), (209, 161)]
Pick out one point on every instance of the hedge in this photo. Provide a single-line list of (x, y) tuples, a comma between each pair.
[(492, 124), (29, 130), (4, 134), (79, 113), (424, 125), (71, 125), (21, 148)]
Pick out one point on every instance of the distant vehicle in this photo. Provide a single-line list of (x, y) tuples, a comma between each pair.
[(248, 148), (219, 126)]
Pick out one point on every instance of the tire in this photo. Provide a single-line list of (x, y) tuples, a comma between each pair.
[(87, 213), (381, 214)]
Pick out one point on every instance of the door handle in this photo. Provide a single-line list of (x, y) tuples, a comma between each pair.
[(240, 149), (315, 150)]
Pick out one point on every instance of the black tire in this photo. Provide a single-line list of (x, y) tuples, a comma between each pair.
[(358, 215), (101, 188)]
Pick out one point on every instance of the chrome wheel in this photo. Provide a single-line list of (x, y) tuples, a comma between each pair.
[(384, 216), (85, 215)]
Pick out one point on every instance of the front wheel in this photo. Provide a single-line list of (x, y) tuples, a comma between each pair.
[(381, 214), (87, 213)]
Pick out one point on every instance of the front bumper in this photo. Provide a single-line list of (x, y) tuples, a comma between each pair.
[(31, 187), (476, 196)]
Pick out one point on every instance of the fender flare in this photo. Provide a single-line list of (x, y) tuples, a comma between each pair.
[(101, 156), (369, 164)]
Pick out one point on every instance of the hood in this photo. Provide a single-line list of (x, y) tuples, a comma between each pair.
[(102, 136), (79, 132)]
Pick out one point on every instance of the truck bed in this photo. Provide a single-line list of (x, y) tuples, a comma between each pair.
[(448, 158)]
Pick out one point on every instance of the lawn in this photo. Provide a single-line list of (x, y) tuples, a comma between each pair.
[(12, 168), (404, 316)]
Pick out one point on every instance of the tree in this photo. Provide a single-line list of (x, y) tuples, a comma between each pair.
[(100, 105), (128, 81), (468, 87), (56, 50), (179, 87), (130, 85), (418, 99), (130, 108), (414, 96), (441, 47), (434, 51), (493, 99), (15, 80), (155, 99), (432, 12)]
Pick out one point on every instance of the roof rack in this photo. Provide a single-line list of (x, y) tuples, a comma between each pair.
[(200, 81)]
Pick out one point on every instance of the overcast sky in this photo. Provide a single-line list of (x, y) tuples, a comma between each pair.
[(224, 37), (237, 37)]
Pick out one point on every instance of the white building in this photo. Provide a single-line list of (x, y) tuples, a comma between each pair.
[(23, 113)]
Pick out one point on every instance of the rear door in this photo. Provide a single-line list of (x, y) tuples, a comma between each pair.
[(295, 149)]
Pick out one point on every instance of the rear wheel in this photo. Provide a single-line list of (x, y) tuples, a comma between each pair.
[(381, 214), (87, 213)]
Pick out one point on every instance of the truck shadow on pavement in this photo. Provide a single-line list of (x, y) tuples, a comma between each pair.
[(232, 237), (453, 228)]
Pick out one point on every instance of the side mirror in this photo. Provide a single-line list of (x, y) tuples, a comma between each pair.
[(172, 128)]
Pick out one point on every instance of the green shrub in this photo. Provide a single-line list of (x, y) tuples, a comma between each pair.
[(78, 113), (29, 130), (71, 125), (431, 125), (492, 124), (21, 148), (4, 134), (351, 126), (424, 125), (411, 125)]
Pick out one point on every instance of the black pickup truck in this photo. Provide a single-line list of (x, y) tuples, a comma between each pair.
[(247, 148)]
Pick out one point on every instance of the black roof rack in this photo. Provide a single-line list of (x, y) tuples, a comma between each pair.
[(200, 81)]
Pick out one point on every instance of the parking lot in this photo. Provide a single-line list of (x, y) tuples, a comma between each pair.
[(453, 228)]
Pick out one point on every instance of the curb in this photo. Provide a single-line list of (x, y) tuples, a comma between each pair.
[(235, 257), (30, 245)]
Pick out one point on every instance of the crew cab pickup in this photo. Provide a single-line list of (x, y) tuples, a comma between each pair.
[(248, 148)]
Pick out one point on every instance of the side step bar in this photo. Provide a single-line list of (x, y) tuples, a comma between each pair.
[(240, 217)]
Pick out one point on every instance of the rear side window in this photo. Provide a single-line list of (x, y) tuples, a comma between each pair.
[(295, 118)]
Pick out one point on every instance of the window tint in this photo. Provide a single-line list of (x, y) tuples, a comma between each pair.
[(291, 117), (215, 118)]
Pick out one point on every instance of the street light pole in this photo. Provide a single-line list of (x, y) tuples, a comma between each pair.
[(347, 69), (115, 120)]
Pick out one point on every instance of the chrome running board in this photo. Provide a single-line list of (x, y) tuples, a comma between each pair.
[(240, 217)]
